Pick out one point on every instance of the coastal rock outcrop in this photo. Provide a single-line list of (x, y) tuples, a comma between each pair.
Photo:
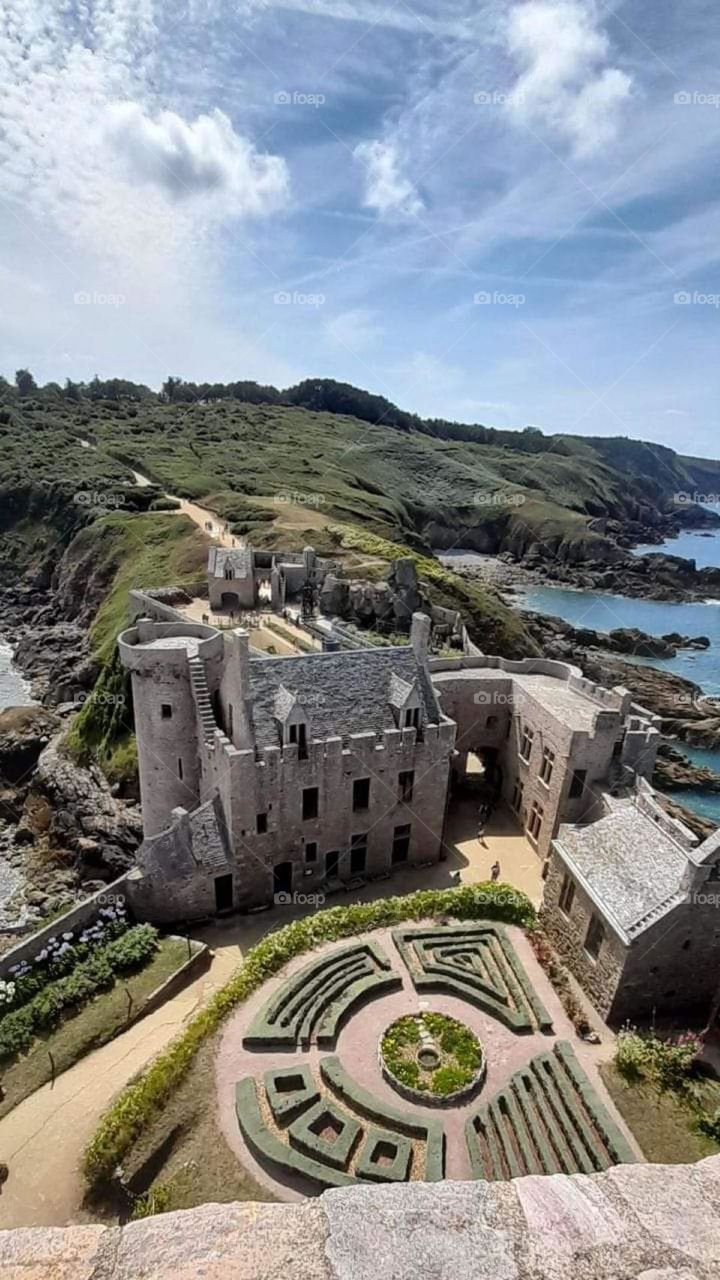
[(387, 606)]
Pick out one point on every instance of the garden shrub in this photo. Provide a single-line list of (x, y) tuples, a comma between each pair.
[(449, 1079), (710, 1126), (19, 1028), (145, 1097), (666, 1063), (59, 956)]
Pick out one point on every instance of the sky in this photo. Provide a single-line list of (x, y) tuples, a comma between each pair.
[(486, 211)]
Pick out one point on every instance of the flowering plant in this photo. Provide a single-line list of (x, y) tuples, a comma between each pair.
[(59, 956)]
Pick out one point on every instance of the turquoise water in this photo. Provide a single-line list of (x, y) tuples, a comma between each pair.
[(656, 617), (704, 550), (14, 690)]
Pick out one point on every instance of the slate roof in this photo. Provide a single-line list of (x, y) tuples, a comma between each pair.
[(342, 693), (631, 866), (239, 560)]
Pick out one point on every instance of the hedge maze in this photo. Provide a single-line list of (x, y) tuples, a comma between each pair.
[(332, 1132), (477, 963), (314, 1003), (310, 1123), (547, 1119)]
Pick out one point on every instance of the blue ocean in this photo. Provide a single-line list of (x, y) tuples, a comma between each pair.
[(656, 617)]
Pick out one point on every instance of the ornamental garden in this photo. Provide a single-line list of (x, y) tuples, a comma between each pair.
[(430, 1051)]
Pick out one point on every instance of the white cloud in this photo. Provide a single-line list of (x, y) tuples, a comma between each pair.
[(564, 83), (205, 155), (386, 188), (355, 329)]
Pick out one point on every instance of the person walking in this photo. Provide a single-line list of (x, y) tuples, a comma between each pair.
[(495, 872)]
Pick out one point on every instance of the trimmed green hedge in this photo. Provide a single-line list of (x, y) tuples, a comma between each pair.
[(319, 996), (558, 1121), (144, 1098), (434, 959)]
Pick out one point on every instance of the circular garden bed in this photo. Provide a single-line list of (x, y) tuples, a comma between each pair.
[(432, 1059)]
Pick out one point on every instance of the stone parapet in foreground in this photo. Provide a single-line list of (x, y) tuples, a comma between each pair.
[(645, 1222)]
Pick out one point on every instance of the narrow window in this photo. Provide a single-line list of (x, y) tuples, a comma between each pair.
[(577, 786), (547, 765), (567, 895), (595, 936), (517, 796), (309, 803), (261, 824), (230, 721), (412, 718), (311, 851), (180, 768), (361, 793), (166, 711), (526, 742), (535, 823), (406, 782)]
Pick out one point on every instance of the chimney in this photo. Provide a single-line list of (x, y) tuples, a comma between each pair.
[(237, 644), (420, 636)]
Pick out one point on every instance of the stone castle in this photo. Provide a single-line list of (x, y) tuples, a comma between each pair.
[(266, 777)]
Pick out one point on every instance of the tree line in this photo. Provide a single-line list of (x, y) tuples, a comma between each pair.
[(321, 395)]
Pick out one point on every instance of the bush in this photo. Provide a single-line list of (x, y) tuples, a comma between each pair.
[(666, 1063), (449, 1079), (710, 1126), (407, 1073), (631, 1056), (19, 1028), (140, 1101), (60, 956)]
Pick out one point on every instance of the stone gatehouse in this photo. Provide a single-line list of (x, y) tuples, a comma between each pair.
[(238, 577)]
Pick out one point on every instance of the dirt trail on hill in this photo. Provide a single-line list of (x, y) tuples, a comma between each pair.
[(209, 521)]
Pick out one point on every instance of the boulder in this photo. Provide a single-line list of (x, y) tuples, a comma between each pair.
[(632, 640), (24, 734)]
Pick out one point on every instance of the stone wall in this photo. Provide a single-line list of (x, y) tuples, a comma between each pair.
[(645, 1222), (600, 978), (491, 711), (77, 917)]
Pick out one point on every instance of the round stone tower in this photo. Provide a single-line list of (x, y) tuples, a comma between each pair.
[(167, 664)]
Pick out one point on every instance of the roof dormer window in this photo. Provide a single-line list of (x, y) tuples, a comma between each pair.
[(404, 699)]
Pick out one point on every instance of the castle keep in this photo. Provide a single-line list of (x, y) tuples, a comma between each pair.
[(265, 777)]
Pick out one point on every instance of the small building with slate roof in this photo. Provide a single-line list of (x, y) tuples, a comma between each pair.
[(632, 903)]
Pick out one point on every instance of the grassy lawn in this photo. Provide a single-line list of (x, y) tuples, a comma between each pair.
[(662, 1123), (182, 1158), (91, 1026)]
